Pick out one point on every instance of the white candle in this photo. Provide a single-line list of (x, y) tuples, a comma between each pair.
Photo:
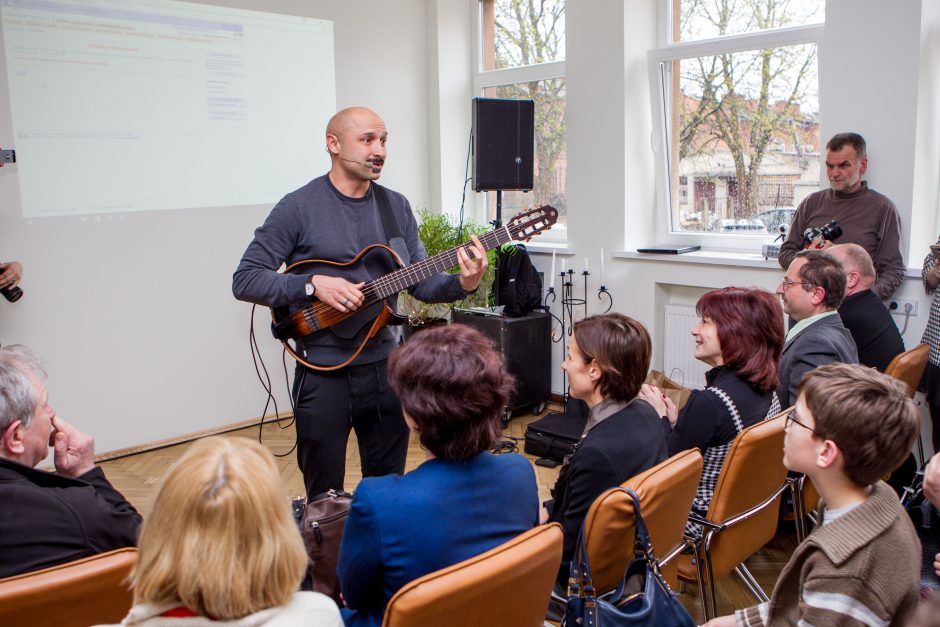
[(586, 268), (552, 284), (563, 269), (602, 266)]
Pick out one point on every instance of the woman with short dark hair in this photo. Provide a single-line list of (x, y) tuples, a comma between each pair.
[(740, 335), (463, 500), (608, 358)]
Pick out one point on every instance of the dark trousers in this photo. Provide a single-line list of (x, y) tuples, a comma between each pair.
[(327, 405)]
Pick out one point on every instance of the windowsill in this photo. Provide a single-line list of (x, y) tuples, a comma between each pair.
[(550, 247), (707, 257), (722, 258)]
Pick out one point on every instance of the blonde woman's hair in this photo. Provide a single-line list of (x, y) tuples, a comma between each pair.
[(221, 540)]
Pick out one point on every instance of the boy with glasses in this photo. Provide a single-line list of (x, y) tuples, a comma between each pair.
[(851, 425)]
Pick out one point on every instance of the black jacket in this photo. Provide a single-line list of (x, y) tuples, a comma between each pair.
[(875, 334), (619, 447), (48, 519)]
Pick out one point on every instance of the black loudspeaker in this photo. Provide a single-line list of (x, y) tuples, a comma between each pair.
[(503, 144), (526, 343)]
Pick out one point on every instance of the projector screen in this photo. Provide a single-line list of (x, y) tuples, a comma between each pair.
[(137, 105)]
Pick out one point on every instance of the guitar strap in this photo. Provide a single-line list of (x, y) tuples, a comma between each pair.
[(390, 224)]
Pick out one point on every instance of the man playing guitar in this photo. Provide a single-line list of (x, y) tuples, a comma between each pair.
[(332, 219)]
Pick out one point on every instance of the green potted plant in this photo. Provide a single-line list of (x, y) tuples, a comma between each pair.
[(439, 233)]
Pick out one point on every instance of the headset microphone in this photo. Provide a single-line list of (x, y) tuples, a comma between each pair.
[(368, 164)]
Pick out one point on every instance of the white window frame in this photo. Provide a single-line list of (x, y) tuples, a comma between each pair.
[(483, 79), (658, 63)]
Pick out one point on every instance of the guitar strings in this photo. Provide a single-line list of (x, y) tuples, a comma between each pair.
[(403, 278)]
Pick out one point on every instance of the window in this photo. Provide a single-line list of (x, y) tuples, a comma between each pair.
[(521, 52), (735, 93)]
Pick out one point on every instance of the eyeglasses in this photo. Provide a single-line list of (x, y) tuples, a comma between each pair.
[(791, 418), (787, 283)]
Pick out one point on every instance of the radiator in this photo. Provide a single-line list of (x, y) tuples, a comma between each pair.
[(679, 363)]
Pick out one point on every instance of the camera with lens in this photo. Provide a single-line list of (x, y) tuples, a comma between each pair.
[(816, 237), (12, 294)]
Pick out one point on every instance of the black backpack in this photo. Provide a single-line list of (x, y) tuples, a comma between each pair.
[(520, 287)]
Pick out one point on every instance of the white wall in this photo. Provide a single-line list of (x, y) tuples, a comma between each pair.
[(134, 313)]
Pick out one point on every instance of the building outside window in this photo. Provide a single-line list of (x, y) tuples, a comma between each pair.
[(736, 106), (521, 55)]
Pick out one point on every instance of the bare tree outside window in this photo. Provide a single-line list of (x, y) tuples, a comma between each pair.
[(744, 126), (523, 33)]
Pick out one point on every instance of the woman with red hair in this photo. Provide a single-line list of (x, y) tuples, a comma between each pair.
[(740, 334)]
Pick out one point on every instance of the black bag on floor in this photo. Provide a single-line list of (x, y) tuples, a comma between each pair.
[(926, 520), (553, 436)]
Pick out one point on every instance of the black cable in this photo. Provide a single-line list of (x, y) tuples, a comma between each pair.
[(508, 444), (266, 384), (466, 174)]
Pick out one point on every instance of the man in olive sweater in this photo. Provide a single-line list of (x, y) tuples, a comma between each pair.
[(861, 565), (867, 218)]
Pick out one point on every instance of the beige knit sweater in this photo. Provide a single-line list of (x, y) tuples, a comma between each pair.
[(861, 569)]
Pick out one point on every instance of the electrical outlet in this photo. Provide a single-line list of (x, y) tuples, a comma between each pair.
[(898, 306)]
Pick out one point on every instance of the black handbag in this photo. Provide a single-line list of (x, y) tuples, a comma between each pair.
[(642, 598)]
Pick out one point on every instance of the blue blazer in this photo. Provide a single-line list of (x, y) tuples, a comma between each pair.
[(401, 527)]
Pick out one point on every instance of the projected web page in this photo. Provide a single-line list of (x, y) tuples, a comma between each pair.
[(136, 105)]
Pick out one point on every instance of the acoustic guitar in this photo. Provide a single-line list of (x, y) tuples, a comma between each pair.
[(376, 312)]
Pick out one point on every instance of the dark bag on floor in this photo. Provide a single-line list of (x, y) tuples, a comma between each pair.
[(553, 436), (322, 522), (926, 522), (643, 598)]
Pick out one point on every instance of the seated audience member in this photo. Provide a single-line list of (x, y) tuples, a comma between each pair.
[(50, 518), (221, 546), (740, 335), (863, 313), (811, 291), (861, 565), (608, 358), (461, 501)]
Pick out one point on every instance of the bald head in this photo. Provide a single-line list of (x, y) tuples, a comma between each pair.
[(351, 117), (859, 270)]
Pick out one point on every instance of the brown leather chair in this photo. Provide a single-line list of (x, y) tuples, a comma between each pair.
[(88, 591), (742, 517), (666, 492), (508, 585), (909, 366)]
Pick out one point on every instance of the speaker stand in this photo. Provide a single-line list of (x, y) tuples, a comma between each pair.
[(497, 223)]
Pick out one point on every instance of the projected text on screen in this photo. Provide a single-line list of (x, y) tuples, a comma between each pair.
[(154, 104)]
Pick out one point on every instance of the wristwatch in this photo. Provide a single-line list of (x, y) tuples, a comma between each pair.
[(310, 288)]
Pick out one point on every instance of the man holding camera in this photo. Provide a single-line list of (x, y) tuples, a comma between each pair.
[(867, 218)]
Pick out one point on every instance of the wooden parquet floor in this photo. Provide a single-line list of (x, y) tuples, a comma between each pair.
[(138, 476)]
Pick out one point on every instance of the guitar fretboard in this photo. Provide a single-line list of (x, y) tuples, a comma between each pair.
[(403, 278)]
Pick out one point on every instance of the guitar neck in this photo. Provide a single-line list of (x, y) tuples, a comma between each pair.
[(403, 278)]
